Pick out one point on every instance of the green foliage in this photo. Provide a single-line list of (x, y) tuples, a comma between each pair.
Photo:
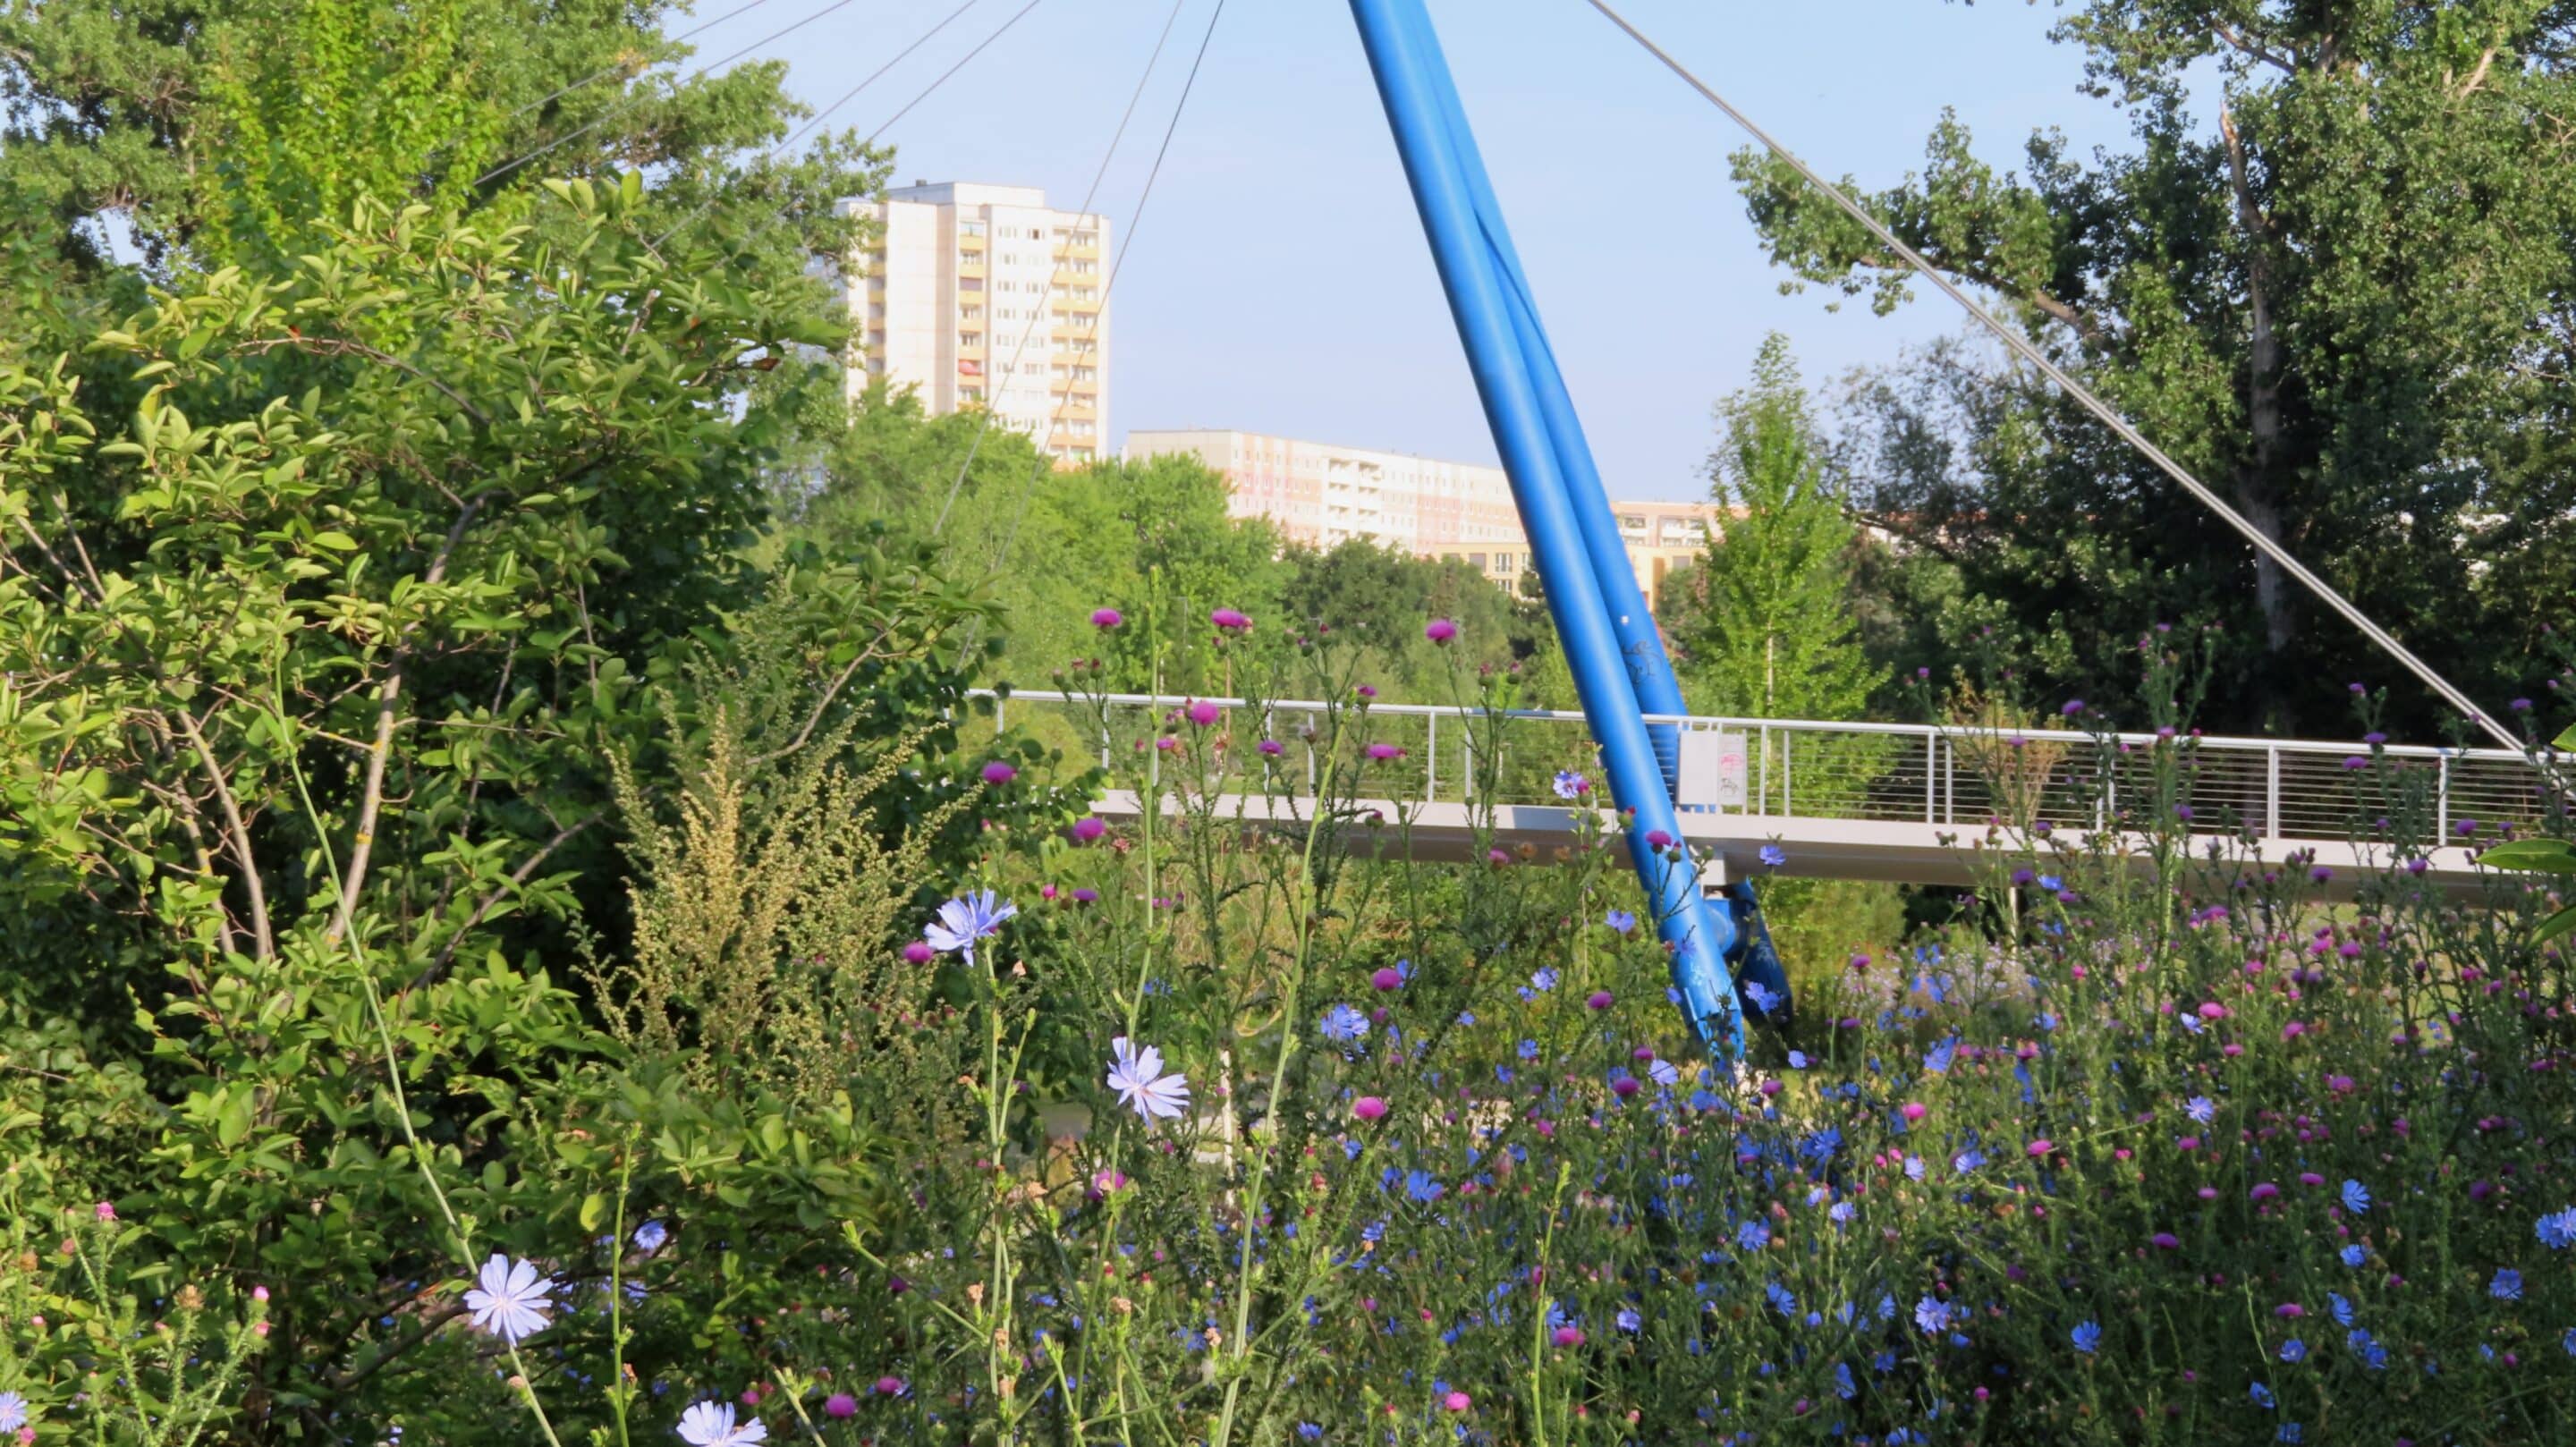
[(1375, 602), (754, 881), (1154, 540), (1763, 621), (322, 670), (159, 1362), (215, 134), (2542, 856), (436, 576), (2344, 305)]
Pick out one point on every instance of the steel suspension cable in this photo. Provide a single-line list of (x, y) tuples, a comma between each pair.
[(825, 113), (631, 102), (878, 74), (605, 71), (2082, 395), (1088, 196), (1117, 266)]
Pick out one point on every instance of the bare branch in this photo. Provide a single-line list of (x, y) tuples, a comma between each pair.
[(2254, 49), (264, 944), (342, 347), (371, 796), (518, 878), (821, 705)]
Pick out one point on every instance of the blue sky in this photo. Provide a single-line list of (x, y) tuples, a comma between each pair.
[(1280, 282)]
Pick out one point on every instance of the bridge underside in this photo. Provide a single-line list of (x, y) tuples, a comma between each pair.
[(1729, 845)]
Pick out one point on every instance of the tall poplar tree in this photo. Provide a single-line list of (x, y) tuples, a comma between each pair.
[(1765, 621)]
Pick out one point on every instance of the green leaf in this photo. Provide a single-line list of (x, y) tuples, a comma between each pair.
[(336, 539), (2566, 742), (233, 1116), (2549, 856), (2556, 925), (594, 1211)]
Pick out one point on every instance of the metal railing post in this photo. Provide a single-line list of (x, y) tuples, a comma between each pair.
[(1931, 766), (2272, 792), (1431, 766), (1950, 787), (1786, 807), (1762, 798), (2442, 794)]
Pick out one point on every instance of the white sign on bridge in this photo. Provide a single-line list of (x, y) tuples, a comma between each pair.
[(1713, 768)]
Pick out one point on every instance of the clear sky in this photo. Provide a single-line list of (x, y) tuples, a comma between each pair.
[(1280, 283)]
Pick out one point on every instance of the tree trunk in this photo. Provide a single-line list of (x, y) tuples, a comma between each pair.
[(2255, 496)]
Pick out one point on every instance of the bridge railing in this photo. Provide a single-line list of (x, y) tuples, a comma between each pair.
[(1947, 776)]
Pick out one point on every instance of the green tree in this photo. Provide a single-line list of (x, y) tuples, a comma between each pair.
[(329, 675), (1764, 620), (206, 134), (1151, 538), (1377, 600), (2345, 301)]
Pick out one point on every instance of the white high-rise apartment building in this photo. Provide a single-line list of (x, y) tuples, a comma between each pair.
[(985, 296)]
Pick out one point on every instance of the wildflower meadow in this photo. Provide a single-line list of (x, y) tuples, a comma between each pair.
[(1218, 1128)]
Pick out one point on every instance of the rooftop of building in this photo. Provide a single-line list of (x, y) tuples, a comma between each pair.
[(968, 193)]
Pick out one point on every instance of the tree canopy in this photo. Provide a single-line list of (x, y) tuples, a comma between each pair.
[(1761, 620), (204, 133), (2347, 300)]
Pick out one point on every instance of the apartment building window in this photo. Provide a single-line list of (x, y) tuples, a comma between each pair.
[(970, 339), (970, 228)]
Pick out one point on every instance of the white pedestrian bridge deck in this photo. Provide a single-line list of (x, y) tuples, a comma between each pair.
[(1898, 802)]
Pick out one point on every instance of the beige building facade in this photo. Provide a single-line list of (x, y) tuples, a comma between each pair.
[(985, 296), (1323, 494)]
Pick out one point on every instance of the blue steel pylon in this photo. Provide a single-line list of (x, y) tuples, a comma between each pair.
[(1611, 646)]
